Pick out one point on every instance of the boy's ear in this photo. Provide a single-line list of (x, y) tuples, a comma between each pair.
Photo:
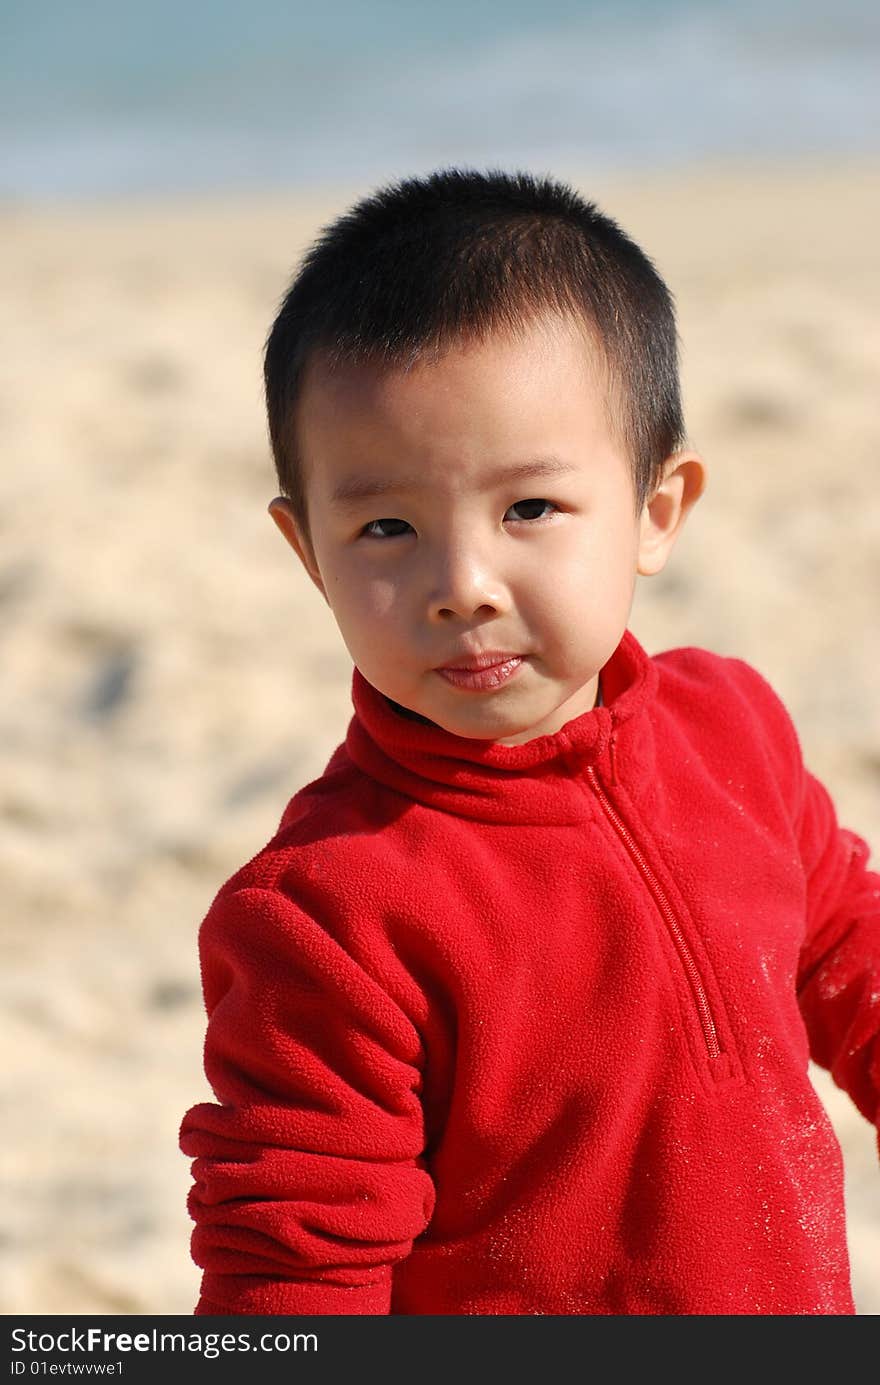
[(282, 512), (684, 481)]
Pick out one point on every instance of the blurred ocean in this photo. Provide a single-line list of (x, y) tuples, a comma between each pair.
[(103, 97)]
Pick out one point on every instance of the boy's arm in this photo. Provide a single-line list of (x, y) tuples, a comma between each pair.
[(307, 1178), (838, 975), (838, 979)]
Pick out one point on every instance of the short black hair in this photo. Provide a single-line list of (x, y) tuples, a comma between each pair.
[(459, 254)]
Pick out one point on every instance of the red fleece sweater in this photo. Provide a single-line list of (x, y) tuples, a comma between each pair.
[(525, 1029)]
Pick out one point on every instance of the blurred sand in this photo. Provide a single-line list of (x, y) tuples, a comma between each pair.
[(170, 677)]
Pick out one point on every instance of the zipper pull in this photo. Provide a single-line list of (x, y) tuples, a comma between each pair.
[(612, 756)]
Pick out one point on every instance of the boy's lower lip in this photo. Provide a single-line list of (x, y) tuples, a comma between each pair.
[(478, 679)]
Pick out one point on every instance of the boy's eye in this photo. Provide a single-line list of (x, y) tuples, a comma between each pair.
[(373, 531), (531, 507)]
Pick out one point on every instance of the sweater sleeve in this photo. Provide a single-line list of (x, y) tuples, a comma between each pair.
[(308, 1179), (838, 976), (839, 970)]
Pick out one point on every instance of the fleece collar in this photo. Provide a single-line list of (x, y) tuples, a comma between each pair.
[(532, 782)]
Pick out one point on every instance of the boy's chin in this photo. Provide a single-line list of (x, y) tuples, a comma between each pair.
[(500, 730), (456, 728), (486, 718)]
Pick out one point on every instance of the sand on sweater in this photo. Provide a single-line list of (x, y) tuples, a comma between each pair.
[(171, 677)]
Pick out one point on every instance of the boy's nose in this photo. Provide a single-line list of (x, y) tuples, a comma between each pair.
[(463, 585)]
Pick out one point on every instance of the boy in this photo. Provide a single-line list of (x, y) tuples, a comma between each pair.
[(513, 1015)]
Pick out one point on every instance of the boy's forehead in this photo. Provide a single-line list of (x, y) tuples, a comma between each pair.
[(525, 405), (348, 382), (365, 384)]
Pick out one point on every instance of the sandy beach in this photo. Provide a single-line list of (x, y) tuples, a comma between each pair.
[(171, 678)]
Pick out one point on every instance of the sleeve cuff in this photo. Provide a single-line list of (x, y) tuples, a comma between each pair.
[(222, 1295)]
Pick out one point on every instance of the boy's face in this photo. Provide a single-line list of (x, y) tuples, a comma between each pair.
[(478, 506)]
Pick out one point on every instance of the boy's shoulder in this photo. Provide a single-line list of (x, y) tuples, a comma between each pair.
[(707, 673), (725, 694), (340, 827)]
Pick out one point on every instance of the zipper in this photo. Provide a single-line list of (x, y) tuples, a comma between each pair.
[(698, 990)]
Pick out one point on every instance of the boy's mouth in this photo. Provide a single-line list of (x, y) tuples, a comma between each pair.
[(481, 671)]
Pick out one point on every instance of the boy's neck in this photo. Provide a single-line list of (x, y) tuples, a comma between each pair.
[(408, 713)]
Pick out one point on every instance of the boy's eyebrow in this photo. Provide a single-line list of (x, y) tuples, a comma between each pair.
[(352, 489)]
